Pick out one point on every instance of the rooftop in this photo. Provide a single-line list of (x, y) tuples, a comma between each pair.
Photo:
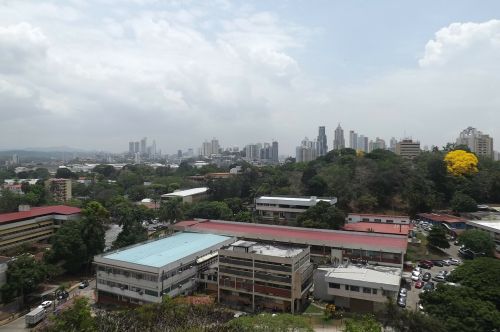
[(299, 199), (493, 225), (267, 249), (167, 250), (296, 234), (378, 228), (366, 274), (38, 212), (438, 217), (186, 192), (378, 215)]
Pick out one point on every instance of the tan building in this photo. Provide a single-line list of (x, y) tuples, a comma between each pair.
[(256, 276), (408, 148), (33, 224), (287, 207), (60, 189), (479, 143)]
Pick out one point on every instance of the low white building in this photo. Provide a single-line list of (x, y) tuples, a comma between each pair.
[(143, 273), (287, 207), (188, 195), (378, 218), (357, 289)]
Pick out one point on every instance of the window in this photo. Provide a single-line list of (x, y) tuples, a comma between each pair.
[(150, 292), (390, 221), (379, 220), (366, 219), (333, 285), (374, 291), (367, 290), (346, 287), (354, 288)]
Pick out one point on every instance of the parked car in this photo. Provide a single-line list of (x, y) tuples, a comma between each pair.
[(45, 304), (428, 262), (83, 284), (61, 295), (454, 261), (419, 284), (417, 269), (439, 278), (438, 262), (402, 302), (403, 292), (446, 262), (415, 277), (428, 287), (426, 277), (425, 265)]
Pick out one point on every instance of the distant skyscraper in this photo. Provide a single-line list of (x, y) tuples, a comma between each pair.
[(479, 143), (408, 148), (252, 152), (362, 143), (136, 147), (215, 146), (143, 145), (275, 155), (339, 142), (376, 145), (307, 151), (131, 147), (15, 159), (206, 149), (322, 142), (392, 144), (179, 153), (353, 140), (153, 149)]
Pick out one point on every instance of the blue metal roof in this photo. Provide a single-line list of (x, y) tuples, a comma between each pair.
[(167, 250)]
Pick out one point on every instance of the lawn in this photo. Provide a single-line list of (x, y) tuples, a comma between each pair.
[(420, 251), (312, 309)]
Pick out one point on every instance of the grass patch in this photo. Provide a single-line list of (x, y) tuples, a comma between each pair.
[(421, 251), (312, 309)]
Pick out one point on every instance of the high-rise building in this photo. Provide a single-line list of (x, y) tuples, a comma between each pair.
[(307, 151), (131, 147), (15, 159), (363, 143), (136, 147), (479, 143), (206, 149), (215, 146), (408, 148), (353, 140), (322, 142), (252, 152), (392, 144), (143, 145), (179, 153), (377, 144), (275, 155), (339, 142)]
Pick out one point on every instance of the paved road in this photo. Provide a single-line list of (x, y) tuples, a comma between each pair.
[(18, 325)]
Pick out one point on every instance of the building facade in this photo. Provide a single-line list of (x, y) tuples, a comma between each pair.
[(188, 195), (256, 276), (31, 225), (353, 140), (307, 151), (287, 207), (408, 148), (377, 218), (144, 273), (339, 141), (357, 289), (322, 146), (60, 189), (479, 143)]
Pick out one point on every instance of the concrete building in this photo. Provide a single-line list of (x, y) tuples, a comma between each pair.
[(339, 141), (408, 148), (454, 225), (392, 144), (322, 146), (137, 147), (363, 144), (325, 245), (257, 276), (60, 189), (31, 225), (355, 288), (144, 143), (479, 143), (131, 148), (378, 144), (286, 207), (188, 195), (275, 152), (353, 140), (377, 218), (490, 226), (307, 151), (145, 272)]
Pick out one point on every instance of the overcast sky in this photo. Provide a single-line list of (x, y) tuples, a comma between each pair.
[(97, 74)]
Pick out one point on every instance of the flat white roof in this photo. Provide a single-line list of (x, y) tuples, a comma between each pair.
[(268, 249), (298, 199), (388, 278), (492, 225), (186, 192)]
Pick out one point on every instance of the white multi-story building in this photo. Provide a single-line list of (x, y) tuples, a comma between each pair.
[(479, 143), (307, 151), (359, 289), (377, 218), (353, 140), (144, 273), (286, 207)]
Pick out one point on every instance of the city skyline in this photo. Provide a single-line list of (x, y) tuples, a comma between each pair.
[(182, 72)]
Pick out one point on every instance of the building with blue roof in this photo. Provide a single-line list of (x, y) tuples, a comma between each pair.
[(144, 272)]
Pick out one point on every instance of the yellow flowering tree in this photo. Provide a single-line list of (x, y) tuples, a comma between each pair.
[(460, 163)]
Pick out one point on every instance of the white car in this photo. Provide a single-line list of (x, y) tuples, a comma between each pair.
[(415, 277), (446, 262), (454, 261), (417, 269), (45, 304), (403, 292)]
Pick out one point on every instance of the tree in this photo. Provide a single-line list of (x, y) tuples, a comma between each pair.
[(463, 203), (366, 203), (68, 246), (107, 171), (409, 320), (131, 233), (271, 323), (210, 210), (77, 318), (171, 210), (9, 201), (366, 323), (65, 173), (24, 275), (478, 241), (322, 215), (94, 217), (461, 163), (437, 237)]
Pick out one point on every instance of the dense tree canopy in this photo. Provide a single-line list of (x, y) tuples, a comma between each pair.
[(478, 241), (437, 237), (322, 215)]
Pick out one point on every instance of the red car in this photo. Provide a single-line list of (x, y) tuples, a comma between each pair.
[(419, 284)]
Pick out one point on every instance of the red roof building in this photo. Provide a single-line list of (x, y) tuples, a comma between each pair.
[(33, 224), (372, 247), (399, 229)]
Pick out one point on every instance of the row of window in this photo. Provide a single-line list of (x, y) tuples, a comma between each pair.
[(128, 274), (284, 206), (352, 288), (127, 287)]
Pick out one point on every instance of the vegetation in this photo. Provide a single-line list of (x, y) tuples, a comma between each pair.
[(460, 163), (366, 323), (409, 320), (322, 215), (478, 241), (268, 322), (437, 237)]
